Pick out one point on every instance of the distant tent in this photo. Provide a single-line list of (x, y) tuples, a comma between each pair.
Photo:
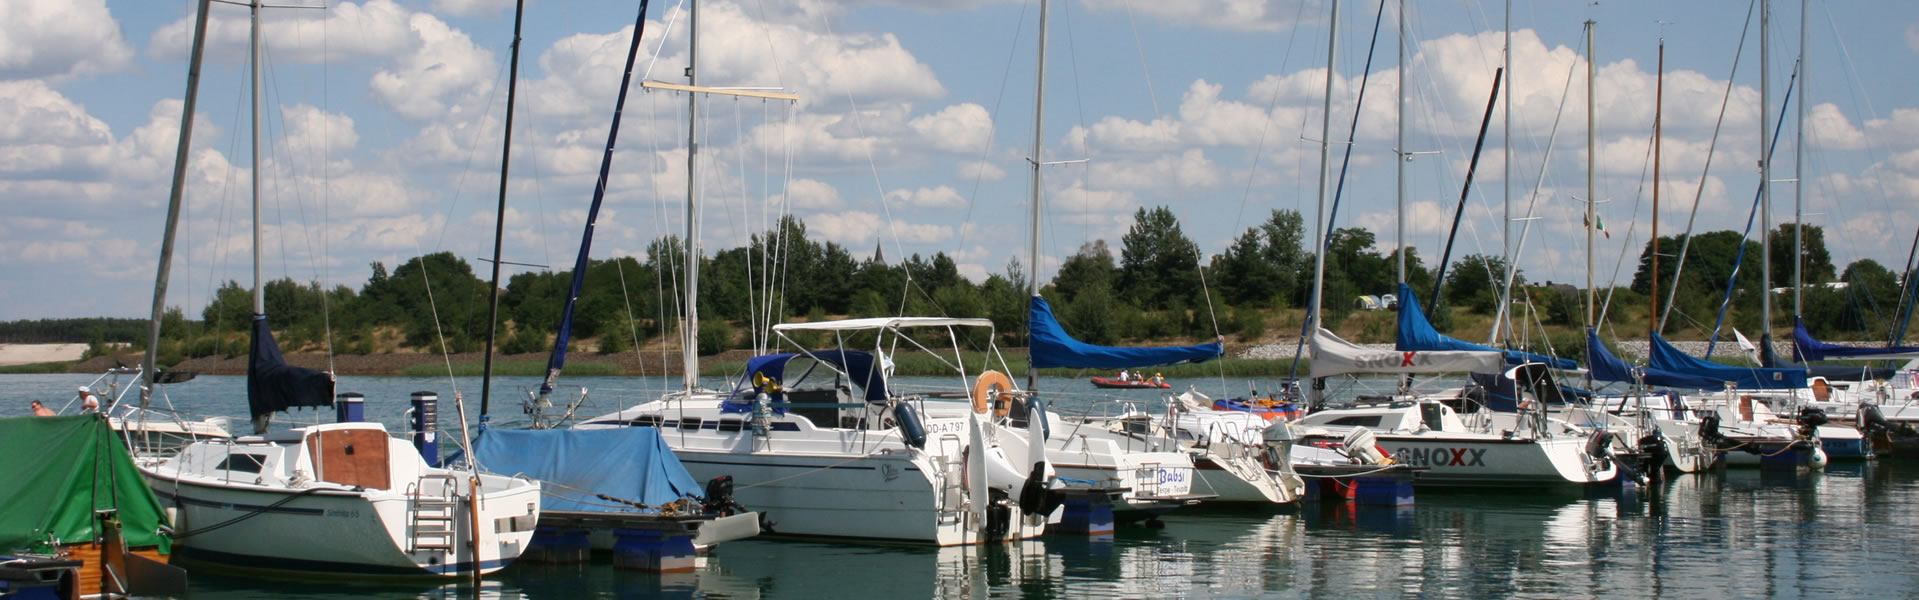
[(1366, 303), (1416, 333)]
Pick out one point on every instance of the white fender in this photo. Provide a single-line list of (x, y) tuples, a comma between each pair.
[(976, 451)]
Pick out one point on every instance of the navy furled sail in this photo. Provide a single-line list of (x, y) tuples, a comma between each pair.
[(1770, 359), (1052, 347), (273, 385), (1417, 334), (629, 463), (1807, 349), (769, 374), (1665, 356), (1603, 366)]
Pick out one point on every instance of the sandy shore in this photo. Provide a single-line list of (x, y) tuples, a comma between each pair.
[(25, 354)]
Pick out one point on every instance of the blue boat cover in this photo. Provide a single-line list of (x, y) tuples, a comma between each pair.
[(858, 365), (1416, 334), (1665, 356), (1052, 347), (629, 463), (1770, 359), (273, 385), (1808, 349), (1606, 367)]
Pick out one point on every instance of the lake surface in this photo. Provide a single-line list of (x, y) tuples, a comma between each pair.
[(1848, 532)]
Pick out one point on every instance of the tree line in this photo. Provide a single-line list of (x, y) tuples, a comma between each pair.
[(1153, 289)]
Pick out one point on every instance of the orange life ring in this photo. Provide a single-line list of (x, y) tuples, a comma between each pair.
[(991, 391)]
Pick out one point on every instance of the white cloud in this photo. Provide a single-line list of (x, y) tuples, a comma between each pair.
[(811, 194), (60, 39), (1829, 129), (345, 30), (44, 134), (960, 128), (856, 228), (934, 197), (980, 170), (445, 62), (1232, 15), (471, 8)]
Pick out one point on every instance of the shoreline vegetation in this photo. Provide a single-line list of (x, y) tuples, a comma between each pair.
[(1148, 293)]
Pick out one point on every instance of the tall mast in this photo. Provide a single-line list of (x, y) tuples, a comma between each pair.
[(1325, 169), (253, 66), (499, 220), (174, 199), (690, 346), (1591, 297), (1765, 169), (1401, 153), (1799, 171), (1506, 182), (1658, 142), (1039, 125)]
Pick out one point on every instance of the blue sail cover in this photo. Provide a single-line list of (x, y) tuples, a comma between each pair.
[(273, 385), (1806, 348), (629, 463), (859, 367), (1770, 359), (1417, 334), (1052, 347), (1606, 367), (1665, 356)]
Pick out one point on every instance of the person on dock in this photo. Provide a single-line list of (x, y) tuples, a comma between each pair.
[(40, 410)]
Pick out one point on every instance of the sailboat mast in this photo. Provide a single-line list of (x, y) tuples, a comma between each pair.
[(1400, 223), (1765, 171), (1658, 142), (1506, 185), (1591, 298), (1039, 126), (253, 66), (690, 353), (1325, 170), (499, 220), (174, 199), (1799, 171)]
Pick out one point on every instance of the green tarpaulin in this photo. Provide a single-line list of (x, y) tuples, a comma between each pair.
[(56, 472)]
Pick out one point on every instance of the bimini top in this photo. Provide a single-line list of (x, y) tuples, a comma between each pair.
[(883, 323), (859, 368)]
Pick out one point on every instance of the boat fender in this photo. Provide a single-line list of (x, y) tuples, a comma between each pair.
[(991, 391), (911, 429)]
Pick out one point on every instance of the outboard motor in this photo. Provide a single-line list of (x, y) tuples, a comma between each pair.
[(719, 498), (1871, 420), (1599, 446), (1709, 432), (1278, 447), (1810, 418), (1360, 445), (1653, 453), (999, 515)]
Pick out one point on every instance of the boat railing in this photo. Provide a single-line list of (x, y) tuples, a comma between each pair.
[(433, 516)]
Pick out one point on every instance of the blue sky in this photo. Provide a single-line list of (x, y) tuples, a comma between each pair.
[(912, 131)]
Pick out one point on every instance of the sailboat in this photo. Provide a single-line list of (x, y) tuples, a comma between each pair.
[(341, 498), (827, 445)]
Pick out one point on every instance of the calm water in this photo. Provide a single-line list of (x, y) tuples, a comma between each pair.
[(1847, 532)]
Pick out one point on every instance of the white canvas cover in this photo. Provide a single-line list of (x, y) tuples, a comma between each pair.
[(1334, 356)]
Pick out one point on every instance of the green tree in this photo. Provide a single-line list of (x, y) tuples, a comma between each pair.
[(1283, 247), (1091, 265), (1816, 269), (1157, 262), (1470, 284)]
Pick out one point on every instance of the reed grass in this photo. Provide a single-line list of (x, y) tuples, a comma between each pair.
[(35, 368)]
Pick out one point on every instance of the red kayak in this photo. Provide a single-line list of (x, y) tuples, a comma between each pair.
[(1110, 383)]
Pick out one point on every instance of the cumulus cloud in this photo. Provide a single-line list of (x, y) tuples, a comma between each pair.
[(933, 197), (980, 170), (1233, 15), (471, 8), (810, 194), (445, 62), (60, 39), (961, 128), (374, 28)]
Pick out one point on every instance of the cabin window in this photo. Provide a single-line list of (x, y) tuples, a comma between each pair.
[(690, 423), (245, 463), (645, 421), (1357, 421), (730, 424)]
